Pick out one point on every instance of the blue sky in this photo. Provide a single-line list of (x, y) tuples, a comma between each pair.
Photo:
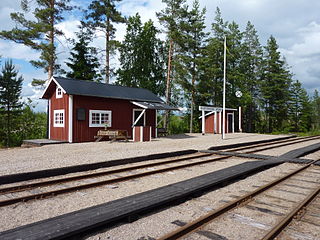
[(294, 23)]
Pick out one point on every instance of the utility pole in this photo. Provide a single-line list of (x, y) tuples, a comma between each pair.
[(224, 88)]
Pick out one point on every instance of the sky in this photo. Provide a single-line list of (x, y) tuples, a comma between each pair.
[(294, 23)]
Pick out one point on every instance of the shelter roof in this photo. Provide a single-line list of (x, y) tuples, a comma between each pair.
[(154, 105)]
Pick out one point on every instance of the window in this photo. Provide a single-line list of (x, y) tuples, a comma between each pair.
[(58, 92), (99, 118), (58, 120)]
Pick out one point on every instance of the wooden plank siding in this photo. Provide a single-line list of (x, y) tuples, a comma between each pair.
[(121, 114), (209, 123), (59, 133)]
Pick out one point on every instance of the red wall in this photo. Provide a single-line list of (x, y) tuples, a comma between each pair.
[(209, 123), (122, 116), (59, 133)]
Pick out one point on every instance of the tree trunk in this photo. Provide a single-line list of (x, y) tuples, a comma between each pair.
[(192, 96), (51, 41), (107, 79), (168, 84), (191, 112)]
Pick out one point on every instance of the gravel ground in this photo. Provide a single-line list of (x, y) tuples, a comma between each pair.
[(51, 156), (24, 213), (19, 160), (159, 223)]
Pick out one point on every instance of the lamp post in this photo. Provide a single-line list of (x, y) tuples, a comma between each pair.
[(224, 88)]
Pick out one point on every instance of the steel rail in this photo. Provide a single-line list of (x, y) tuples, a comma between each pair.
[(282, 145), (18, 188), (23, 187), (274, 232), (100, 183), (204, 220), (270, 143), (105, 182)]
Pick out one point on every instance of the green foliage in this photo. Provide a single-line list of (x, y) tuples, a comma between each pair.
[(39, 33), (300, 109), (178, 124), (10, 105), (190, 54), (142, 57), (102, 15), (315, 105), (83, 61), (32, 125), (276, 80)]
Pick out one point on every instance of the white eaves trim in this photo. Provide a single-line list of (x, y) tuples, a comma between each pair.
[(52, 79)]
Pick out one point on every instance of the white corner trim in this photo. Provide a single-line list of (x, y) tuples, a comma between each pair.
[(156, 126), (70, 120), (49, 118), (150, 133)]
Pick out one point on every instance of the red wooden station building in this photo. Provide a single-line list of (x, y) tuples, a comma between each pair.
[(79, 109)]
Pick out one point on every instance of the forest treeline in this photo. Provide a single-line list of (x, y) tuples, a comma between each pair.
[(182, 62)]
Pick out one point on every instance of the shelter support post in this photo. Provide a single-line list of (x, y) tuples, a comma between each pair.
[(215, 122), (240, 128), (232, 122), (203, 122)]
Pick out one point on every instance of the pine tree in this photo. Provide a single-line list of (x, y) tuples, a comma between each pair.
[(190, 52), (141, 57), (102, 15), (170, 18), (299, 108), (276, 80), (250, 70), (40, 32), (212, 70), (10, 105), (316, 111), (83, 61)]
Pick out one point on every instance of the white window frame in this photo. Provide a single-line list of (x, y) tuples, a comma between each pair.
[(144, 115), (59, 111), (59, 94), (100, 112)]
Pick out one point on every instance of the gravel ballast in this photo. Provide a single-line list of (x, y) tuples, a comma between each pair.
[(53, 156), (20, 160)]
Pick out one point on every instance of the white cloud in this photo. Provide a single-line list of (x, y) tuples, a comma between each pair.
[(304, 56), (10, 49)]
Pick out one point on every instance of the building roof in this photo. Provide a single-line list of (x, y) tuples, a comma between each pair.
[(94, 89)]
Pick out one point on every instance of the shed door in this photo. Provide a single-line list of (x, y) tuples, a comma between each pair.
[(136, 114), (230, 123)]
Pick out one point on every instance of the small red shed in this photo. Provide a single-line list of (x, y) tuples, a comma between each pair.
[(211, 119), (78, 109)]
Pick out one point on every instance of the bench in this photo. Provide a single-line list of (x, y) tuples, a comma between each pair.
[(112, 134), (162, 132)]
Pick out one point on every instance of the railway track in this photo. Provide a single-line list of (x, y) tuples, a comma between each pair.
[(262, 207), (21, 192)]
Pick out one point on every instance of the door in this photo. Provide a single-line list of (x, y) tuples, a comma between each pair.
[(230, 123), (136, 114)]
